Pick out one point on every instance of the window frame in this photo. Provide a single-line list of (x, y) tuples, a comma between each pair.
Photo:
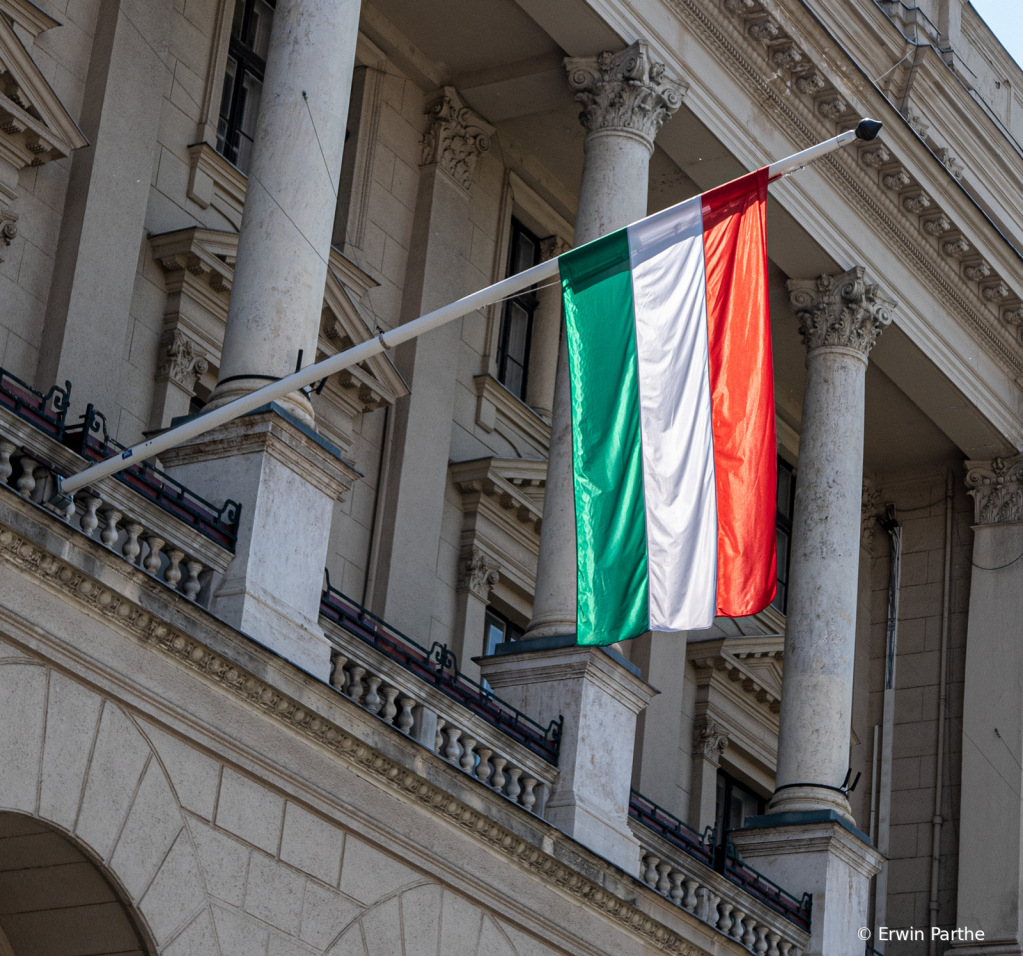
[(783, 524), (528, 300)]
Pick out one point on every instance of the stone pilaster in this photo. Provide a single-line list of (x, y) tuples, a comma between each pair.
[(543, 351), (626, 98), (840, 318), (478, 573), (990, 885), (710, 741), (182, 363), (413, 503), (284, 242)]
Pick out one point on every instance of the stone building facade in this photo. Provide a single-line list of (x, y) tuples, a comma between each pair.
[(209, 744)]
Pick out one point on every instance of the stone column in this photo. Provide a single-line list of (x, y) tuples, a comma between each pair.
[(990, 895), (840, 318), (277, 293), (625, 98), (406, 585), (285, 475), (477, 575), (543, 351)]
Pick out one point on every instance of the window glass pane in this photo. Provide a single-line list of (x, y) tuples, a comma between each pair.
[(260, 22), (224, 147), (513, 378), (518, 332), (248, 111), (783, 555), (524, 254), (784, 491)]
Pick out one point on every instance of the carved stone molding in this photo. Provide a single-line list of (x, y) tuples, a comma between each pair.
[(843, 311), (710, 741), (552, 247), (869, 511), (477, 573), (456, 137), (624, 91), (181, 360), (997, 489), (257, 692)]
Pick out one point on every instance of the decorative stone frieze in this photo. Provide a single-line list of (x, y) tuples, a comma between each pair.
[(181, 360), (956, 248), (976, 271), (455, 138), (624, 91), (996, 292), (997, 489), (811, 84), (709, 741), (937, 226), (950, 163), (1013, 317), (832, 107), (875, 158), (917, 123), (739, 8), (477, 573), (897, 180), (916, 204), (763, 31), (843, 311), (788, 57)]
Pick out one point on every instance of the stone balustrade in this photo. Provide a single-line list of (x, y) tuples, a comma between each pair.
[(402, 686), (740, 903), (141, 528)]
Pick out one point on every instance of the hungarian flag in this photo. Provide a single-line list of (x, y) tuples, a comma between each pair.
[(673, 417)]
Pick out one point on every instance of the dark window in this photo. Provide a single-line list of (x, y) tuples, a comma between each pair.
[(243, 80), (497, 630), (517, 320), (783, 529), (735, 803)]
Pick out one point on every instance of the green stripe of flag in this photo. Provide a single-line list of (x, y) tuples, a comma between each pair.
[(612, 573)]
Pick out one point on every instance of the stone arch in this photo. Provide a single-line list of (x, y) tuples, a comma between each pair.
[(75, 762), (429, 920), (54, 899)]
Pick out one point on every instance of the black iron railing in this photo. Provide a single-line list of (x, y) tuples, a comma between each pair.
[(724, 859), (439, 666), (47, 412), (89, 438), (92, 441)]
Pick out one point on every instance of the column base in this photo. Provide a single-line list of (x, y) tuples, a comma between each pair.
[(287, 478), (589, 828), (822, 854), (295, 403), (806, 798)]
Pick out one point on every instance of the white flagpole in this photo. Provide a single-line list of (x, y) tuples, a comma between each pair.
[(66, 487)]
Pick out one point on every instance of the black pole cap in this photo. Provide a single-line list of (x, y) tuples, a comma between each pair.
[(867, 129)]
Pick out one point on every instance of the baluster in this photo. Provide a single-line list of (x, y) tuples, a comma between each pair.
[(405, 718), (702, 902), (528, 796), (373, 700), (6, 468), (152, 560), (26, 482), (43, 478), (390, 711), (676, 887), (772, 943), (468, 761), (338, 677), (725, 920), (784, 948), (109, 533), (690, 901), (760, 946), (438, 743), (453, 750), (355, 688), (650, 873), (712, 908), (483, 768), (749, 937), (514, 789), (90, 520), (737, 926), (174, 557), (192, 587), (131, 547), (663, 883), (498, 780)]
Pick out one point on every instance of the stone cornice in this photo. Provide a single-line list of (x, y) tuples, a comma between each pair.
[(752, 664), (727, 32), (28, 16), (103, 600)]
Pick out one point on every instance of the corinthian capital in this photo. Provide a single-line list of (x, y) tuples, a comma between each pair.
[(181, 361), (456, 136), (477, 573), (843, 311), (997, 489), (624, 91), (709, 740)]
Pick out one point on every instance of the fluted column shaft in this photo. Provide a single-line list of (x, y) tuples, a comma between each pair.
[(277, 294), (840, 319), (625, 99)]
